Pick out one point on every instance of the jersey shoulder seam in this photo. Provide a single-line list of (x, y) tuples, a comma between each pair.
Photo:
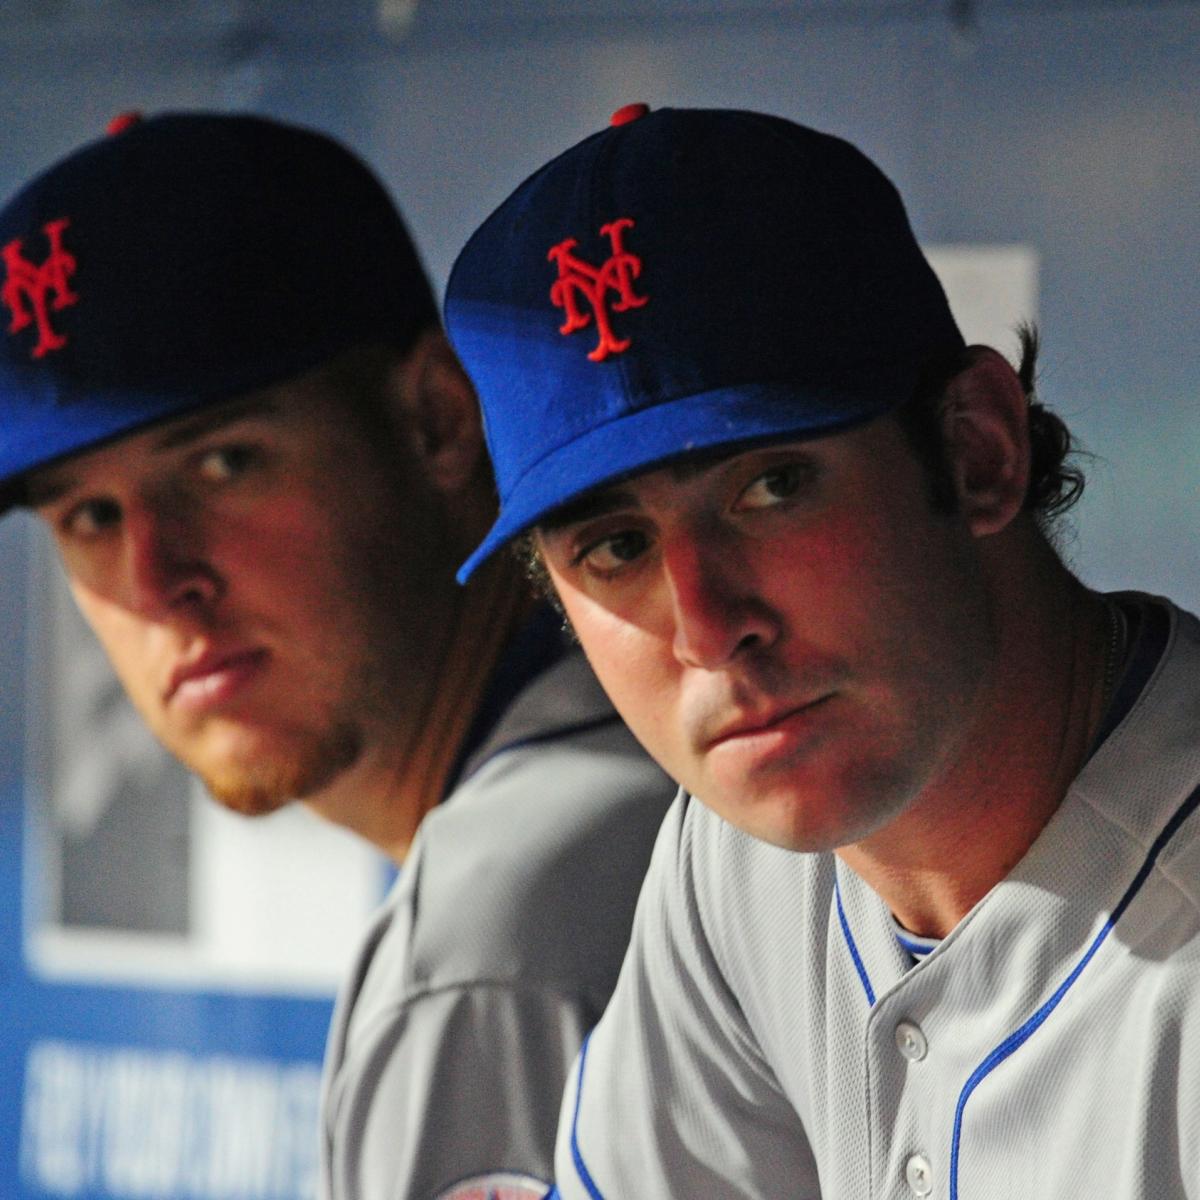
[(1163, 866)]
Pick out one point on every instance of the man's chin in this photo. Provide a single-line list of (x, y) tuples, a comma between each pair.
[(256, 780), (249, 799)]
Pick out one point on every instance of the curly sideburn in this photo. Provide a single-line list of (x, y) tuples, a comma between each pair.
[(1055, 483)]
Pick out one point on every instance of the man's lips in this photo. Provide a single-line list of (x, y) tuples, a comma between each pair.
[(758, 724), (213, 677)]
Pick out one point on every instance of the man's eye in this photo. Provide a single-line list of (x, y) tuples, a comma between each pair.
[(91, 517), (227, 462), (611, 553), (772, 487)]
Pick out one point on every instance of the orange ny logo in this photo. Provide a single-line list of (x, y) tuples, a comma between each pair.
[(578, 279), (27, 288)]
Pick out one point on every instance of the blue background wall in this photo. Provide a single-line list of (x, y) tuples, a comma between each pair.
[(1074, 128)]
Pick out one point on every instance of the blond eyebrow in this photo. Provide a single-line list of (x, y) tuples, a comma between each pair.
[(181, 431), (184, 430)]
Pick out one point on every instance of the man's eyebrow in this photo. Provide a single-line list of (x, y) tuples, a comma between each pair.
[(39, 491), (587, 508), (615, 498), (698, 462), (184, 430)]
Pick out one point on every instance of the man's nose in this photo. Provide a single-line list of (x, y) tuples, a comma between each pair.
[(718, 614), (167, 567)]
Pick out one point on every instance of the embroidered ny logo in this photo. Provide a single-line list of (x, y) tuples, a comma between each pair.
[(26, 289), (577, 279)]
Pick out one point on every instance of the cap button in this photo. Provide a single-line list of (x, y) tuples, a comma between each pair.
[(122, 121), (630, 112)]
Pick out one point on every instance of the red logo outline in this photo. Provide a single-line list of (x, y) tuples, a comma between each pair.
[(25, 291), (577, 278)]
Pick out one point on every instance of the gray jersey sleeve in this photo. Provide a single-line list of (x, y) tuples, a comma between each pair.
[(671, 1095), (494, 955), (454, 1084)]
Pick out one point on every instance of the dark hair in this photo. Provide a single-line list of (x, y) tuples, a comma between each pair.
[(525, 549), (1055, 482)]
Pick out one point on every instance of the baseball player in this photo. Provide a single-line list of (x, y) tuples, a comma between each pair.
[(224, 389), (925, 918)]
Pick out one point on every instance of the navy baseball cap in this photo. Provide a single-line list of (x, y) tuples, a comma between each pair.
[(684, 280), (183, 260)]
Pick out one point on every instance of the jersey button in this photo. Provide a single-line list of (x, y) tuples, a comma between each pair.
[(919, 1174), (910, 1041)]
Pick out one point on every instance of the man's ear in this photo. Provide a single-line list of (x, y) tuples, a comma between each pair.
[(432, 398), (985, 431)]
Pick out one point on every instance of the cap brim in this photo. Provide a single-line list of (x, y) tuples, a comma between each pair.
[(92, 424), (652, 437)]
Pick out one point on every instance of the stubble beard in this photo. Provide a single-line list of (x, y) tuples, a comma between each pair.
[(312, 758), (268, 784)]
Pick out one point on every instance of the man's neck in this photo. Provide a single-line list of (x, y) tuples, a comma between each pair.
[(1030, 738), (385, 797)]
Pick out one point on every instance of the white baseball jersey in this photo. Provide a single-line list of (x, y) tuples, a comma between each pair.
[(495, 953), (770, 1037)]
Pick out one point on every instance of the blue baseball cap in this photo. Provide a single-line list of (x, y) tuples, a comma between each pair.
[(684, 280), (183, 260)]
